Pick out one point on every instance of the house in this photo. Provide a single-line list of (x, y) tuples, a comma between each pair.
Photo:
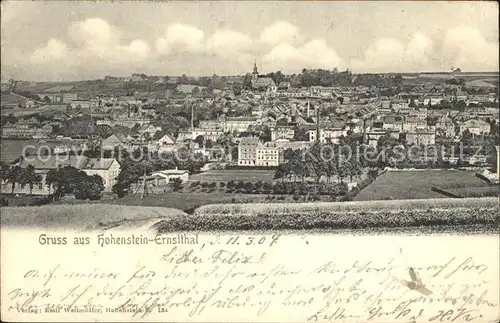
[(148, 129), (327, 134), (164, 177), (107, 168), (269, 154), (238, 124), (421, 138), (83, 104), (399, 104), (209, 124), (432, 100), (24, 131), (166, 140), (115, 140), (247, 151), (475, 126), (373, 137), (446, 126), (282, 132), (412, 124), (68, 97), (53, 97), (212, 134), (29, 104), (184, 135)]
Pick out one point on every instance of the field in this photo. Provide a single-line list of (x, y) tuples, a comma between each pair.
[(82, 217), (181, 201), (456, 213), (13, 149), (12, 99), (417, 184), (23, 112), (39, 87), (250, 175)]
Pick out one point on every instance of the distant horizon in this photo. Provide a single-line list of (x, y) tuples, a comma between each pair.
[(260, 73)]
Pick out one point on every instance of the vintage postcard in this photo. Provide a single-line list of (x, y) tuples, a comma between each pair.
[(249, 161)]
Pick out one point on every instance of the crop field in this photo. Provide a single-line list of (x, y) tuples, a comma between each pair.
[(347, 215), (39, 87), (82, 217), (417, 216), (12, 99), (251, 175), (417, 184)]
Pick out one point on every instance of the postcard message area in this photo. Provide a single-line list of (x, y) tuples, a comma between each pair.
[(260, 277)]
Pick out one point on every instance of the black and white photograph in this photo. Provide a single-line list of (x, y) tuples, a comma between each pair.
[(250, 161)]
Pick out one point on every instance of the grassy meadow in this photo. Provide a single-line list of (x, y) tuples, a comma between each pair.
[(82, 217), (394, 185)]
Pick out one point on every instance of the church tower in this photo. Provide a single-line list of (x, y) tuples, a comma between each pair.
[(255, 73)]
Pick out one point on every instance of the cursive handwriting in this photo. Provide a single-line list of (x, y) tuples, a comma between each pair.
[(193, 281)]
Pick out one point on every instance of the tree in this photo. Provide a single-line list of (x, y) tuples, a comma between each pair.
[(4, 171), (282, 122), (52, 179), (300, 134), (249, 187), (316, 162), (280, 172), (15, 175), (199, 139), (176, 184), (247, 82), (30, 178), (209, 143), (88, 187)]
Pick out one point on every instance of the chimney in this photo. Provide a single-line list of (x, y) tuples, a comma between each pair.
[(317, 125), (364, 131), (192, 116)]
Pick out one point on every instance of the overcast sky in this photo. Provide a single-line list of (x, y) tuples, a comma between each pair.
[(56, 40)]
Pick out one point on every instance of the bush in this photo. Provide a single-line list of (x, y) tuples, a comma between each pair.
[(249, 187), (176, 184), (267, 187), (326, 218)]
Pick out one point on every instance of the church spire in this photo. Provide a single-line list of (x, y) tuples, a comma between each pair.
[(255, 71)]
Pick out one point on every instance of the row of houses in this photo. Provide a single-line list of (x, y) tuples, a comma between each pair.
[(25, 131)]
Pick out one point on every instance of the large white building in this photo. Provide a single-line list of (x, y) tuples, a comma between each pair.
[(239, 124), (269, 154), (327, 134), (247, 151), (251, 152), (107, 168), (475, 126)]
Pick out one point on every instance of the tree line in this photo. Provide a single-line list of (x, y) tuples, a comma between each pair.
[(143, 162), (60, 181), (321, 160)]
